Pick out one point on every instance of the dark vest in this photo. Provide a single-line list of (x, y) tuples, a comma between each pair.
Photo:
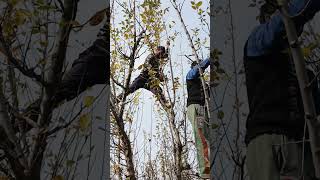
[(274, 98), (195, 92), (151, 63)]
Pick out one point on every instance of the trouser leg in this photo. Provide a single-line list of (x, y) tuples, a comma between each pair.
[(198, 118), (275, 157), (138, 83), (157, 91)]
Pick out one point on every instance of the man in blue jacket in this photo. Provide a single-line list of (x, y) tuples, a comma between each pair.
[(197, 114), (275, 125)]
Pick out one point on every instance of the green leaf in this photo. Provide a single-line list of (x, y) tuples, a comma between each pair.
[(69, 163), (220, 115), (84, 122), (43, 43), (199, 4), (13, 2), (99, 118), (88, 101), (20, 17), (214, 126)]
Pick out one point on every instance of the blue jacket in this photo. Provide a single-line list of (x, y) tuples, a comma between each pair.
[(194, 72), (270, 36)]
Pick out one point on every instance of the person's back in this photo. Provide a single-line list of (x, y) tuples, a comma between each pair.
[(194, 84), (273, 94)]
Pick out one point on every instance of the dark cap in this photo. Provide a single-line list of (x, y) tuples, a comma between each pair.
[(267, 9), (194, 63)]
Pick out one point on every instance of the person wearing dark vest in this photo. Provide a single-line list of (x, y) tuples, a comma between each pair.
[(151, 75), (89, 69), (275, 124), (198, 116)]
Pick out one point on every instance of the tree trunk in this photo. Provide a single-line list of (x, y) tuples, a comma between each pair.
[(177, 146), (306, 92), (125, 146)]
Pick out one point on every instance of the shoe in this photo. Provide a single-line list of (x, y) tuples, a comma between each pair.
[(205, 176)]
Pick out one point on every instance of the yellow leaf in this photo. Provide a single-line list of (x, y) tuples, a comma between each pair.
[(88, 101), (114, 67), (97, 18), (306, 51), (59, 177), (20, 18), (84, 122), (140, 67), (136, 98)]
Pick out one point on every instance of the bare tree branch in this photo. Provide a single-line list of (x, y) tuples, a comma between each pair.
[(17, 63)]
